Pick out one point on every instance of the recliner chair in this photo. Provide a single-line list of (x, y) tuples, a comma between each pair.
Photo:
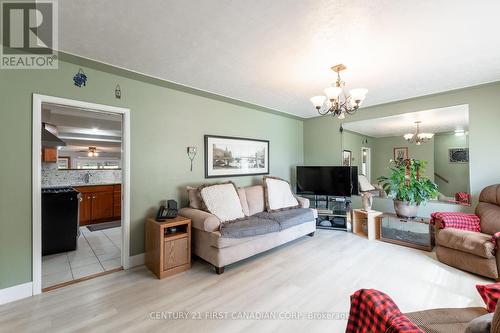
[(473, 251)]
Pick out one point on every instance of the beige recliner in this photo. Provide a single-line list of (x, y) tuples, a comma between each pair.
[(473, 251)]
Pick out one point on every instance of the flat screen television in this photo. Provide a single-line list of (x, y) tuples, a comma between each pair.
[(339, 181)]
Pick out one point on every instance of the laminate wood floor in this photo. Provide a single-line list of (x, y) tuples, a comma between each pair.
[(308, 276)]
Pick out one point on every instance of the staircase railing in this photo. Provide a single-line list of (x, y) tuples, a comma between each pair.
[(441, 177)]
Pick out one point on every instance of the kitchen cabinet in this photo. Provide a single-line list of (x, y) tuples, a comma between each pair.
[(98, 204), (117, 201), (49, 155)]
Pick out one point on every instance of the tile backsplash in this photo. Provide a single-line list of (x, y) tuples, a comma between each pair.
[(52, 177)]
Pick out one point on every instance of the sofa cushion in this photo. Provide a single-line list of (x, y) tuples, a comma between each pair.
[(452, 320), (248, 227), (278, 194), (467, 262), (481, 324), (222, 200), (255, 199), (471, 242), (289, 218), (194, 197), (490, 217), (243, 200)]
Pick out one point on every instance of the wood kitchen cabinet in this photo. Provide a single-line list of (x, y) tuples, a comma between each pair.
[(49, 155), (98, 204)]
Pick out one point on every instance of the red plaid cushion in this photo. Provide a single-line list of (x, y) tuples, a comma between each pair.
[(462, 221), (490, 294), (373, 311), (462, 197)]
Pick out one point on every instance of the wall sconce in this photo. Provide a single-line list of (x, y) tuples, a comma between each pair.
[(191, 151), (118, 92)]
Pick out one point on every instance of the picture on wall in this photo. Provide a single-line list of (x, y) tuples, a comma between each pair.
[(459, 155), (400, 153), (346, 158), (232, 156)]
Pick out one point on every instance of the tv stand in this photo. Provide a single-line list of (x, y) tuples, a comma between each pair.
[(333, 212)]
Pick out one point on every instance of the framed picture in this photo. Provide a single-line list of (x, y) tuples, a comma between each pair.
[(400, 153), (231, 156), (458, 155), (346, 157), (64, 162)]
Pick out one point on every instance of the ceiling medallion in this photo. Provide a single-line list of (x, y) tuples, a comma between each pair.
[(418, 137), (338, 103)]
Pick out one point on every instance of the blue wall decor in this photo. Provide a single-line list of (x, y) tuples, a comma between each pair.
[(80, 78)]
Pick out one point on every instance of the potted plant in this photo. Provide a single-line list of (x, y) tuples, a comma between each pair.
[(408, 186)]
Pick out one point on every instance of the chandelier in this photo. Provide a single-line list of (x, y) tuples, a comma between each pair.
[(92, 152), (418, 137), (337, 102)]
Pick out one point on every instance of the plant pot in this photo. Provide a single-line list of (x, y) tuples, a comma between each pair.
[(405, 209)]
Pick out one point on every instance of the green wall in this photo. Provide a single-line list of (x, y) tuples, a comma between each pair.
[(383, 152), (322, 143), (457, 174), (165, 119)]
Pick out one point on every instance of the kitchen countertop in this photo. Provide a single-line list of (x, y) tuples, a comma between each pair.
[(81, 185)]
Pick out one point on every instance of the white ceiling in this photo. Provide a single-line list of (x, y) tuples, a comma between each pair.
[(440, 120), (278, 53), (81, 129)]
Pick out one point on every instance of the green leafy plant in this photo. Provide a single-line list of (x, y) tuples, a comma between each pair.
[(408, 182)]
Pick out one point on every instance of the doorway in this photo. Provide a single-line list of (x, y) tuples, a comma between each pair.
[(84, 164), (366, 162)]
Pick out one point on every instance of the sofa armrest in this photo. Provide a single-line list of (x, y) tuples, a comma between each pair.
[(201, 220), (303, 202)]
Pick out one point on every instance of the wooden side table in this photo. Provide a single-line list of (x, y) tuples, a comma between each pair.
[(168, 252), (369, 219)]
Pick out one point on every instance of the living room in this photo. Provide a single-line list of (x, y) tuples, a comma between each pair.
[(243, 76)]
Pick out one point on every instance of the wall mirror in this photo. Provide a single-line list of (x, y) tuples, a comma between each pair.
[(438, 136)]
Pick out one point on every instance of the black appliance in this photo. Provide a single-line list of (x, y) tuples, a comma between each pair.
[(60, 219), (339, 181)]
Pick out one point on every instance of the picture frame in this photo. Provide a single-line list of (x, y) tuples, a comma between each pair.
[(63, 163), (227, 156), (458, 155), (400, 153), (346, 157)]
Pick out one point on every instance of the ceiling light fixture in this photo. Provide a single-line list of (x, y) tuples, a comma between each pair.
[(92, 152), (337, 102), (459, 132), (418, 137)]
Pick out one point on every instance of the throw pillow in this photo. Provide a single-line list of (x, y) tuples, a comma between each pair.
[(490, 294), (278, 194), (480, 324), (194, 197), (222, 201)]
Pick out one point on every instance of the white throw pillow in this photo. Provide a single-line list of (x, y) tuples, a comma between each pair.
[(278, 194), (222, 201), (364, 184)]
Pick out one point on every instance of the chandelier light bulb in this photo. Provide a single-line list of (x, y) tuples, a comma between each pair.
[(333, 92), (318, 101), (358, 95)]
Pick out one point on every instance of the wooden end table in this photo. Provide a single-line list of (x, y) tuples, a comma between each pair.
[(168, 252), (370, 220)]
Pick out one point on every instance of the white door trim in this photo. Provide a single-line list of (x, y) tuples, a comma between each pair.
[(37, 184)]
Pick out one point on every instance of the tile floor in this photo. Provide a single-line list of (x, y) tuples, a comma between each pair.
[(97, 251)]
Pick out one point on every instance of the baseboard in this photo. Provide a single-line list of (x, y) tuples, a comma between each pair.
[(14, 293), (136, 260)]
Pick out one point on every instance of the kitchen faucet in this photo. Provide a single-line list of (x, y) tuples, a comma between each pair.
[(86, 177)]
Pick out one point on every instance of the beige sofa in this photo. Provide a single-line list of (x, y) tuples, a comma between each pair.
[(221, 251), (473, 251)]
